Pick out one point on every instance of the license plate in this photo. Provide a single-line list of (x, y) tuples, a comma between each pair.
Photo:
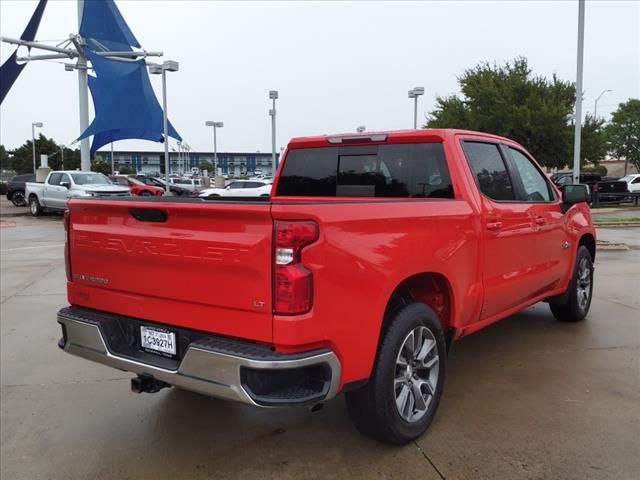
[(158, 340)]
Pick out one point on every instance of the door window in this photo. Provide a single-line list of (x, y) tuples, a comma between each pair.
[(536, 188), (65, 178), (490, 171), (54, 179)]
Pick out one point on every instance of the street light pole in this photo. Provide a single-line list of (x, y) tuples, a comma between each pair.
[(273, 95), (167, 66), (415, 93), (62, 157), (578, 123), (215, 125), (112, 161), (595, 104), (33, 141)]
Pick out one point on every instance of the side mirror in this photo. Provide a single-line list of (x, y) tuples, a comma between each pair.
[(66, 185), (572, 194)]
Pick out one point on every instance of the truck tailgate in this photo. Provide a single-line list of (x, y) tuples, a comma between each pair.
[(195, 264)]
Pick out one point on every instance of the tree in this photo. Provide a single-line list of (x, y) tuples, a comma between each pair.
[(125, 170), (594, 141), (4, 159), (99, 165), (623, 132), (208, 166), (22, 159), (508, 100)]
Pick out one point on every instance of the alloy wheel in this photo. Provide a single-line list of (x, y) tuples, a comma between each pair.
[(416, 374)]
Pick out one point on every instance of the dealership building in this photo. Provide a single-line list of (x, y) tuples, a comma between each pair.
[(229, 163)]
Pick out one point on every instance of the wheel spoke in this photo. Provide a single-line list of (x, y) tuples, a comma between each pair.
[(429, 364), (408, 411), (419, 399), (408, 346), (420, 382), (427, 346), (417, 344), (402, 399)]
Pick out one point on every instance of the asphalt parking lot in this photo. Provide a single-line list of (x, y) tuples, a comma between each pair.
[(527, 398)]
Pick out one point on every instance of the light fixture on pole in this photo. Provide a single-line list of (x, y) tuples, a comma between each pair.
[(273, 95), (215, 126), (361, 129), (157, 69), (33, 141), (595, 104), (415, 93)]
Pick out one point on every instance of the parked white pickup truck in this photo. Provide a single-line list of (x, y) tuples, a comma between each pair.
[(60, 186)]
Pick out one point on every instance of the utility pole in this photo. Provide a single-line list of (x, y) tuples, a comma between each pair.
[(112, 161), (578, 119)]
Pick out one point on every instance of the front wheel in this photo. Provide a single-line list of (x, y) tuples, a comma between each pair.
[(401, 398), (145, 193), (578, 301), (18, 198), (34, 206)]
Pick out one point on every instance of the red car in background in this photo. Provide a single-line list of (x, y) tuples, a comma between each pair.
[(137, 187)]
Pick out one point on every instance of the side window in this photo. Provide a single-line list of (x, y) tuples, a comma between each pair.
[(637, 180), (536, 188), (235, 185), (54, 179), (121, 181), (65, 178), (489, 169)]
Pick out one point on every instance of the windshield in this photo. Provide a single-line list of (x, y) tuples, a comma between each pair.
[(627, 179), (90, 179)]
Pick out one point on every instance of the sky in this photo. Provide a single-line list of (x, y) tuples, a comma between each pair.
[(337, 65)]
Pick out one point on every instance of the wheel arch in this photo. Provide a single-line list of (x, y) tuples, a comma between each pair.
[(431, 288), (588, 241)]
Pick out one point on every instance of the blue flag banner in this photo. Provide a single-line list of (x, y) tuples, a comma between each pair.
[(104, 28), (125, 104), (10, 70)]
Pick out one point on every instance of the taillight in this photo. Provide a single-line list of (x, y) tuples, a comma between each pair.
[(292, 281), (67, 244)]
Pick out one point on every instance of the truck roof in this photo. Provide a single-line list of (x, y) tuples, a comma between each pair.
[(390, 136)]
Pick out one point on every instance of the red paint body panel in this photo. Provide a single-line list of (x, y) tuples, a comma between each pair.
[(205, 268), (209, 266)]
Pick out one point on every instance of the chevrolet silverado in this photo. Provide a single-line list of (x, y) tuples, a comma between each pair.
[(372, 255)]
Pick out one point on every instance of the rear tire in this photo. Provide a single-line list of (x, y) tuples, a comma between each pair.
[(145, 193), (34, 206), (17, 198), (400, 400), (576, 307)]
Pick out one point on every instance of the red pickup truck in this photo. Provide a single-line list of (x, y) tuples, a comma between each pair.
[(374, 252)]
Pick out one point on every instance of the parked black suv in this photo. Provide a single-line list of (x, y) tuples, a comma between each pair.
[(15, 188)]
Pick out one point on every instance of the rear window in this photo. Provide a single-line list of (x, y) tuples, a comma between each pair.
[(405, 170)]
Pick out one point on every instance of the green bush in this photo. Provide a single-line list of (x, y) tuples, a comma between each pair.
[(3, 188)]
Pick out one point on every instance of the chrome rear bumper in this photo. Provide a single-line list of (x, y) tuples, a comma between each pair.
[(213, 366)]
